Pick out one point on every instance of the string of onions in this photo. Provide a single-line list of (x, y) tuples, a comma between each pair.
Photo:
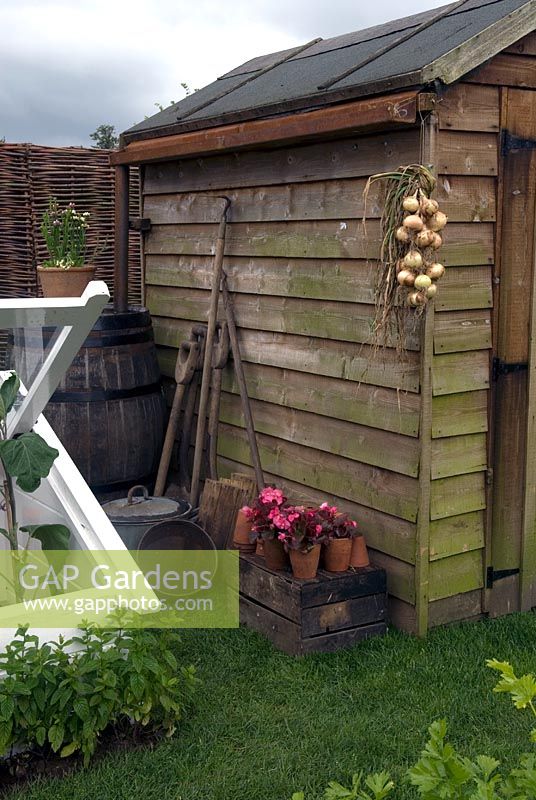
[(407, 239)]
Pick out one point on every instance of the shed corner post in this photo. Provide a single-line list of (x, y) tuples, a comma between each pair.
[(422, 543), (527, 583), (121, 214)]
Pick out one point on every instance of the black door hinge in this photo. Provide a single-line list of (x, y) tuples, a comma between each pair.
[(142, 224), (493, 575), (502, 368), (510, 143)]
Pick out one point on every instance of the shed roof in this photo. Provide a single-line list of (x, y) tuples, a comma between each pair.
[(438, 45)]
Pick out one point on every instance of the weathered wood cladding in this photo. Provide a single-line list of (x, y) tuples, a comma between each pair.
[(334, 420), (469, 116)]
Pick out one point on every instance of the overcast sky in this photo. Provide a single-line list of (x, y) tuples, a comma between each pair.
[(67, 66)]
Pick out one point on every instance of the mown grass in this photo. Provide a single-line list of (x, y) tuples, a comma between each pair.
[(266, 725)]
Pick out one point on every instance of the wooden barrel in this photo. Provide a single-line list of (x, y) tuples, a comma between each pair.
[(109, 410)]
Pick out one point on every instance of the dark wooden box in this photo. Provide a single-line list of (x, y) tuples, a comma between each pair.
[(327, 613)]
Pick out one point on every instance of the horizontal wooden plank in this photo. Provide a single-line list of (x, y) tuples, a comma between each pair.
[(354, 402), (457, 495), (456, 535), (458, 331), (454, 609), (525, 46), (467, 198), (467, 107), (350, 322), (336, 199), (343, 360), (342, 158), (400, 576), (370, 486), (456, 414), (458, 455), (342, 279), (349, 280), (383, 532), (464, 198), (351, 613), (465, 153), (456, 575), (465, 288), (402, 615), (367, 445), (283, 596), (460, 372), (506, 70), (365, 114), (465, 243)]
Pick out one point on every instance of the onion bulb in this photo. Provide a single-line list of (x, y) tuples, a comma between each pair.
[(429, 207), (437, 241), (402, 275), (413, 260), (416, 299), (403, 234), (422, 282), (438, 221), (435, 271), (431, 291), (410, 204), (413, 223), (410, 279), (424, 238)]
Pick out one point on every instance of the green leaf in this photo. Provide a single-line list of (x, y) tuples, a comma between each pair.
[(28, 458), (81, 708), (52, 537), (69, 749), (8, 394), (298, 796), (55, 736), (7, 707), (41, 735), (137, 684)]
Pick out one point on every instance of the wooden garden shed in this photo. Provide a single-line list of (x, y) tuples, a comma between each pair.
[(435, 455)]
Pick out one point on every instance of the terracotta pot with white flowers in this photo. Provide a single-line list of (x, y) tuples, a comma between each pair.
[(64, 273)]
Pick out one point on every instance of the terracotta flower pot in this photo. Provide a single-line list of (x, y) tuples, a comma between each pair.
[(241, 534), (359, 555), (259, 548), (305, 565), (337, 555), (57, 282), (275, 555)]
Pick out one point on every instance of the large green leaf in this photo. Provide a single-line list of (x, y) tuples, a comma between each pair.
[(28, 458), (52, 537), (9, 390)]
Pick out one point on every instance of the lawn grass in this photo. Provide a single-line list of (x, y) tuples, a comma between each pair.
[(266, 725)]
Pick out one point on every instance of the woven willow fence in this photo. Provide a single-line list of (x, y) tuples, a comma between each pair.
[(29, 176)]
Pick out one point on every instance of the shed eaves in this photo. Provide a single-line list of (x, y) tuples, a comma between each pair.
[(364, 62)]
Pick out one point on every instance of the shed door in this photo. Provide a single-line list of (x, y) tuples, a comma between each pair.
[(513, 541)]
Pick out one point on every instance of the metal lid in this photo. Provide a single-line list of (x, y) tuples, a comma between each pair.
[(136, 510)]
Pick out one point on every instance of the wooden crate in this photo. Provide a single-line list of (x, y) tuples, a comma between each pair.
[(324, 614)]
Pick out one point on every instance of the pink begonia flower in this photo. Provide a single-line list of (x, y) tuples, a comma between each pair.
[(281, 537), (318, 528), (324, 505)]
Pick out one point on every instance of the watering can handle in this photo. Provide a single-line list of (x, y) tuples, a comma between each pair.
[(130, 496)]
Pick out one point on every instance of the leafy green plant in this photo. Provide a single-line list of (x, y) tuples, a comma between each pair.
[(64, 231), (26, 459), (441, 773), (60, 697)]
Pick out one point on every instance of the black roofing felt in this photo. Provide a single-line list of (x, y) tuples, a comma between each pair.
[(264, 84)]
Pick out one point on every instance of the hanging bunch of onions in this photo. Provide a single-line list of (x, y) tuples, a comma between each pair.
[(420, 236), (411, 233)]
